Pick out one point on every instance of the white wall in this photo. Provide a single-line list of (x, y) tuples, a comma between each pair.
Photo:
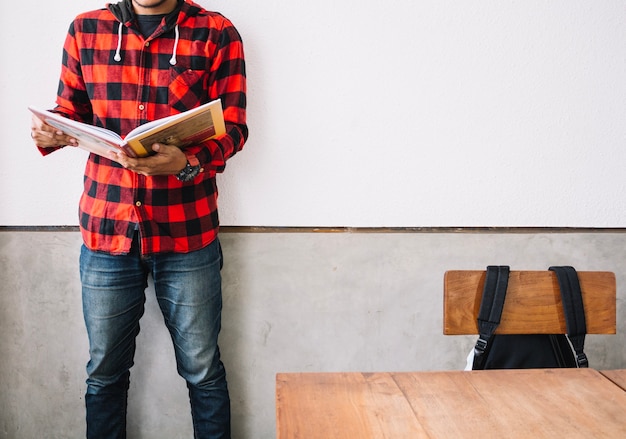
[(372, 113)]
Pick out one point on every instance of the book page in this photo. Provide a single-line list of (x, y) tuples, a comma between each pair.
[(90, 138), (76, 129), (185, 129), (192, 131), (90, 142)]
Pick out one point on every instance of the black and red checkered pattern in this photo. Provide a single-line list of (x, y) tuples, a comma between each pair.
[(142, 86)]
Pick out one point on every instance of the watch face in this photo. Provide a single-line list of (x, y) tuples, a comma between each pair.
[(188, 173)]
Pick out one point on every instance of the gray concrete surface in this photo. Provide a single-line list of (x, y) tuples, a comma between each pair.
[(292, 302)]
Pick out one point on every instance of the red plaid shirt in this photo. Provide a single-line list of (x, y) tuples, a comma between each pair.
[(96, 88)]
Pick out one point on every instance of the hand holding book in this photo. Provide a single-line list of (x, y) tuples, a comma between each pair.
[(184, 129)]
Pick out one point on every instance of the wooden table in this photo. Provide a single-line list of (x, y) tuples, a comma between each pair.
[(539, 403), (617, 376)]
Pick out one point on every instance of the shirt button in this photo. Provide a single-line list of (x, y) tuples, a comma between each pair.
[(138, 203), (147, 43), (141, 107)]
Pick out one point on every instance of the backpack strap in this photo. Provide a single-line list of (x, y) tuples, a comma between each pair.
[(574, 310), (492, 302)]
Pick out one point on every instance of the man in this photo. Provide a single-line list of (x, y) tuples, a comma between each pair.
[(136, 61)]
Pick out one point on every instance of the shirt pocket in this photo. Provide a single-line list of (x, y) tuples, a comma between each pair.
[(187, 89)]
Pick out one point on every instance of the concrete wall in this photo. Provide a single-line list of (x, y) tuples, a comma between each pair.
[(293, 302)]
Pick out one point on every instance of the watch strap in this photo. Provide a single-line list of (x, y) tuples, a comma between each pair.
[(192, 159), (191, 170)]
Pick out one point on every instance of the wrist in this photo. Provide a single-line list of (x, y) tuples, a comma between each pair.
[(191, 170)]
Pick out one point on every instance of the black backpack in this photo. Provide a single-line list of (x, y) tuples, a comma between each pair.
[(527, 351)]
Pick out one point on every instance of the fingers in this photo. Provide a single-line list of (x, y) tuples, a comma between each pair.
[(122, 159), (168, 160), (144, 166), (46, 136)]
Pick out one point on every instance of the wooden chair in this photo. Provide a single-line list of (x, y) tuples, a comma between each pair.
[(533, 302)]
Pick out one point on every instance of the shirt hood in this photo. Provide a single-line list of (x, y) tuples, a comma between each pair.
[(124, 13)]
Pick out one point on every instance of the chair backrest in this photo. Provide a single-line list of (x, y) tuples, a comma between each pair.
[(533, 302)]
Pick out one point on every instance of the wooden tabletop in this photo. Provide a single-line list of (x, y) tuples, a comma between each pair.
[(617, 376), (530, 403)]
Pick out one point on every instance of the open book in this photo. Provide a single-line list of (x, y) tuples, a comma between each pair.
[(184, 129)]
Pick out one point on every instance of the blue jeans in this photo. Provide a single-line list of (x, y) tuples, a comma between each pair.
[(188, 290)]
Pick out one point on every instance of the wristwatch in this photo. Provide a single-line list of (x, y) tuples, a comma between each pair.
[(191, 169)]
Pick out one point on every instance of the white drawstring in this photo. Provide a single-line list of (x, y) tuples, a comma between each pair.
[(173, 58), (117, 56)]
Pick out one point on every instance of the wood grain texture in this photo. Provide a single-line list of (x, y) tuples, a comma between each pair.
[(342, 406), (533, 302), (530, 403), (617, 376)]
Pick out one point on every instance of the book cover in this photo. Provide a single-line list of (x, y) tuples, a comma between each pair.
[(184, 129)]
